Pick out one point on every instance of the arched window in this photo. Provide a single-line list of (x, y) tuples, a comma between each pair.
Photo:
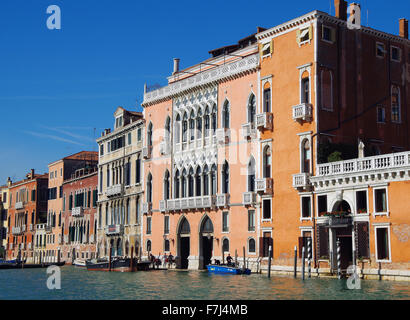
[(185, 128), (251, 245), (225, 115), (266, 98), (184, 184), (213, 180), (149, 188), (199, 125), (149, 134), (192, 126), (166, 245), (191, 182), (176, 185), (251, 109), (251, 175), (214, 123), (166, 185), (267, 162), (225, 245), (206, 181), (206, 122), (225, 178), (306, 156), (177, 129), (198, 182), (395, 104)]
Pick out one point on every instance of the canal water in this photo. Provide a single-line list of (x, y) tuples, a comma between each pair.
[(80, 284)]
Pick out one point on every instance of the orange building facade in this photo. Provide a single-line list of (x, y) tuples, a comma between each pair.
[(285, 140)]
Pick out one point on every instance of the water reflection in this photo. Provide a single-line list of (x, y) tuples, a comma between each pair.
[(79, 284)]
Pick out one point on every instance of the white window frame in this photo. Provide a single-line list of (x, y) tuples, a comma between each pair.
[(254, 220), (301, 207), (300, 36), (391, 53), (247, 246), (382, 226), (355, 202), (222, 244), (227, 222), (169, 224), (266, 45), (262, 206), (374, 201)]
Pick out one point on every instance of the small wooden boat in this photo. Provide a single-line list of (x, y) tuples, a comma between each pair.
[(223, 269), (117, 264)]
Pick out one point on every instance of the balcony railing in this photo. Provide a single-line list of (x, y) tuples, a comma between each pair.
[(264, 121), (30, 246), (191, 203), (165, 148), (114, 190), (146, 207), (163, 205), (16, 230), (248, 131), (146, 152), (23, 228), (359, 165), (92, 238), (48, 228), (302, 112), (301, 180), (264, 185), (222, 135), (222, 200), (248, 198), (77, 212), (115, 229), (60, 239), (19, 205), (65, 238)]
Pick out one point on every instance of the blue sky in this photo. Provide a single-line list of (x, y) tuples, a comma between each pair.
[(56, 86)]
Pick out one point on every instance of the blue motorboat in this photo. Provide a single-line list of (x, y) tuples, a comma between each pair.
[(8, 261), (223, 269)]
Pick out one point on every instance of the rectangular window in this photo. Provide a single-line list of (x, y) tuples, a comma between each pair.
[(95, 198), (33, 195), (139, 134), (361, 201), (251, 220), (138, 171), (166, 224), (61, 192), (305, 95), (306, 207), (328, 34), (395, 104), (380, 50), (148, 225), (304, 35), (129, 138), (382, 242), (101, 150), (225, 223), (381, 114), (322, 205), (395, 54), (266, 49), (380, 200), (267, 209)]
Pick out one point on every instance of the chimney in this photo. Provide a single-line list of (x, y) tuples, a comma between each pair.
[(341, 9), (404, 28), (9, 182), (176, 66), (32, 173)]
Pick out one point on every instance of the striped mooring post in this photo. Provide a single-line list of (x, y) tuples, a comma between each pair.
[(309, 258), (339, 271)]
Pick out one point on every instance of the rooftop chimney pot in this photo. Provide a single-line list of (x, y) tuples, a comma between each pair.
[(341, 9), (404, 28), (176, 66)]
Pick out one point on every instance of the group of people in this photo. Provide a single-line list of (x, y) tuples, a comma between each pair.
[(164, 260), (228, 261)]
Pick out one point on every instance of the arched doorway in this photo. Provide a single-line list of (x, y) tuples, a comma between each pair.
[(184, 233), (206, 238), (341, 229)]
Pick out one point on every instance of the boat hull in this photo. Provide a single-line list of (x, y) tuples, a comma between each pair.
[(227, 270), (118, 265)]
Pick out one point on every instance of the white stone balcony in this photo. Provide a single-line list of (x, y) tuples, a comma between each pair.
[(77, 212), (19, 205), (114, 190), (146, 207), (65, 238), (22, 246), (165, 148), (177, 204), (222, 200), (302, 112), (60, 239), (264, 121), (223, 135), (23, 228), (48, 228), (146, 152), (171, 205), (91, 238), (301, 180), (264, 185), (15, 230), (115, 229), (184, 204), (208, 201), (30, 246), (163, 205), (248, 132), (248, 198)]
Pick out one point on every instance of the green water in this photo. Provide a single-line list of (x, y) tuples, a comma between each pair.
[(79, 284)]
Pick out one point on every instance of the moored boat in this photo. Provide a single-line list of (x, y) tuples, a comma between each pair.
[(223, 269), (117, 264), (80, 263)]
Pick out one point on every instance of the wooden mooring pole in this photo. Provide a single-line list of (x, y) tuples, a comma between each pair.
[(244, 259), (132, 259), (296, 262), (109, 261)]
